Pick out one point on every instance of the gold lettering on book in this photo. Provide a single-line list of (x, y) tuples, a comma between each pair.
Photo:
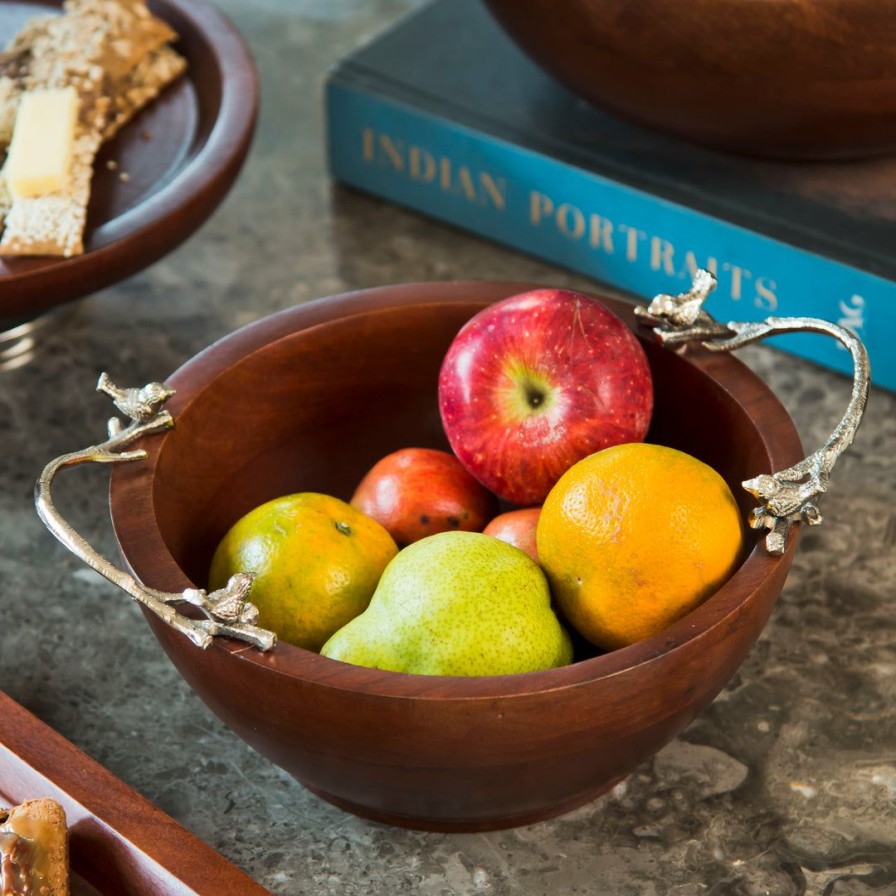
[(738, 275), (598, 231), (602, 234), (476, 186), (661, 256), (540, 207), (381, 147), (632, 237), (421, 164), (767, 294), (571, 221)]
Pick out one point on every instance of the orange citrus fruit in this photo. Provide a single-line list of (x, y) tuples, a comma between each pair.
[(316, 562), (633, 537)]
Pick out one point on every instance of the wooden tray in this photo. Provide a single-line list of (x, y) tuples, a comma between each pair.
[(120, 842), (181, 156)]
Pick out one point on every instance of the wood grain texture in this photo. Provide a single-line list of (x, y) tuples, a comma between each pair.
[(119, 842), (180, 156), (805, 79), (307, 400)]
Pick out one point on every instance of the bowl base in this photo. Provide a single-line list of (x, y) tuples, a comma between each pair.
[(464, 825)]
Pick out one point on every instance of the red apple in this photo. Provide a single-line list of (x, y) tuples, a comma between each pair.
[(417, 492), (517, 527), (536, 382)]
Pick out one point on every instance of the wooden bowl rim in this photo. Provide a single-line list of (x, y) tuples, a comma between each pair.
[(131, 503)]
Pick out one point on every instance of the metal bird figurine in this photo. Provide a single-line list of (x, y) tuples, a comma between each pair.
[(140, 405)]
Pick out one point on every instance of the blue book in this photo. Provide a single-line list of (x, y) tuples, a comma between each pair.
[(443, 114)]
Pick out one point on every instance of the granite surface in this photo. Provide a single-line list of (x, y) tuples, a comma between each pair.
[(785, 785)]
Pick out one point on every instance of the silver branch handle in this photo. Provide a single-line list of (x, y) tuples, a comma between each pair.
[(790, 495), (227, 611)]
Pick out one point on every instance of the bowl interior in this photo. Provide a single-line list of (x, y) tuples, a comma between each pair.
[(310, 398)]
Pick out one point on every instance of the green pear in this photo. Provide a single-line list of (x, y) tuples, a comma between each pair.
[(457, 603)]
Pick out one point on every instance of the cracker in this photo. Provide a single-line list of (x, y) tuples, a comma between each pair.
[(114, 34), (142, 86), (53, 224), (115, 54)]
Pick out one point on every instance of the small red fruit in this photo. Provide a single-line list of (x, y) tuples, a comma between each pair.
[(517, 527), (415, 492), (536, 382)]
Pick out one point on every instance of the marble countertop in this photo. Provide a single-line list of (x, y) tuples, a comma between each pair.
[(785, 785)]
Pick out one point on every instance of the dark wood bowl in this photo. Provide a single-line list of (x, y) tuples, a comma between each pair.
[(806, 79), (308, 399)]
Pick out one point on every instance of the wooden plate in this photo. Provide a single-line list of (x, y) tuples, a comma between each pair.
[(181, 156), (119, 841)]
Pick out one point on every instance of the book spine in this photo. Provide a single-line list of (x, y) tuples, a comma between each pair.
[(601, 228)]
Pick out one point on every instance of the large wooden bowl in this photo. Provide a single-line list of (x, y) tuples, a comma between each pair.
[(784, 78), (308, 399)]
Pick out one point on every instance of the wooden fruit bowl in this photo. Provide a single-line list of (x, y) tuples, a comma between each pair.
[(807, 79), (308, 399)]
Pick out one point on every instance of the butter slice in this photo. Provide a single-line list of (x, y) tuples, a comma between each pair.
[(40, 154)]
